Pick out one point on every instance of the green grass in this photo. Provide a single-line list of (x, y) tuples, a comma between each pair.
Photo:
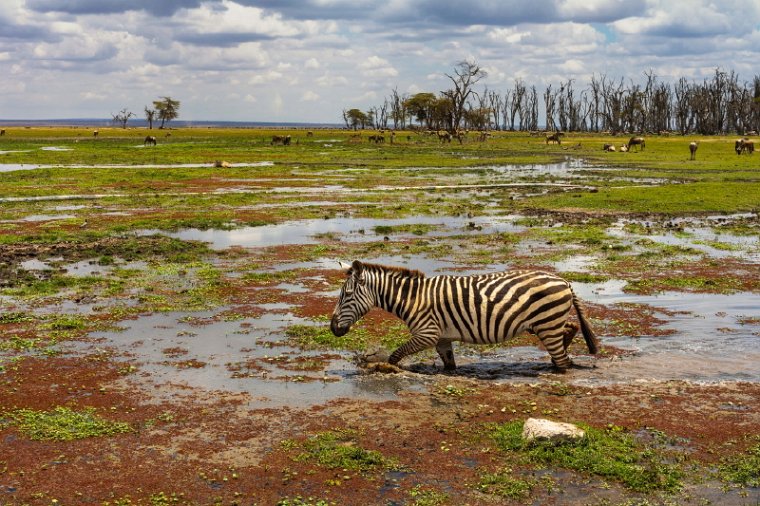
[(338, 449), (504, 483), (610, 454), (357, 339), (742, 469), (64, 424), (672, 199)]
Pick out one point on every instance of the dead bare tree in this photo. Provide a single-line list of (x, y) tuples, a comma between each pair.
[(122, 117), (466, 75), (495, 105), (398, 111)]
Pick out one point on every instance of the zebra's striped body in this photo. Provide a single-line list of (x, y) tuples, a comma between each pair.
[(481, 309)]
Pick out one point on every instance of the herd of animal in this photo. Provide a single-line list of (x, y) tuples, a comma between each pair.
[(741, 146)]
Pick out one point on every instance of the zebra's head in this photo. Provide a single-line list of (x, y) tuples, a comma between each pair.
[(355, 300)]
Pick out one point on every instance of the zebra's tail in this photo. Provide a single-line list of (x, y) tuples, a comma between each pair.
[(591, 341)]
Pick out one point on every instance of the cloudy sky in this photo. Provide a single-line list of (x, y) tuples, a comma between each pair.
[(307, 60)]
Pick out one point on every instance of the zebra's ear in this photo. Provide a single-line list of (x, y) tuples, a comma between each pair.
[(357, 269), (344, 266)]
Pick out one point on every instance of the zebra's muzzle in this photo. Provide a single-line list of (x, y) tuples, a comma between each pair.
[(336, 329)]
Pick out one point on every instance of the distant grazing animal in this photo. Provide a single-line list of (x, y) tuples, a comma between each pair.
[(744, 146), (95, 133), (376, 138), (636, 141), (149, 140), (309, 134), (2, 132), (554, 137), (481, 309), (222, 164), (608, 147), (444, 136), (624, 148), (281, 139), (693, 149)]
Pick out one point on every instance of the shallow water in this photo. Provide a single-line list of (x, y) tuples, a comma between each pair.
[(159, 343), (9, 167), (344, 229), (712, 342)]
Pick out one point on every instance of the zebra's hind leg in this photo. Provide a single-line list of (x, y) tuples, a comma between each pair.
[(571, 330), (554, 342), (447, 355)]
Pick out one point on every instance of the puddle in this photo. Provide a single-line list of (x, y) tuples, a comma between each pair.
[(45, 217), (699, 235), (56, 148), (198, 350), (344, 229), (9, 167), (35, 265), (709, 344)]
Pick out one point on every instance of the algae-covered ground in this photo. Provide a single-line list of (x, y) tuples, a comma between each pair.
[(164, 309)]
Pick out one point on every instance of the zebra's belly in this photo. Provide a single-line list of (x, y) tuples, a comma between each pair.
[(450, 333)]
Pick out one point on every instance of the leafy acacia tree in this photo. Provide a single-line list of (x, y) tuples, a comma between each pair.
[(355, 118), (420, 106), (167, 109)]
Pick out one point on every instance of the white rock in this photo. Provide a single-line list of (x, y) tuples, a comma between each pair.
[(542, 429)]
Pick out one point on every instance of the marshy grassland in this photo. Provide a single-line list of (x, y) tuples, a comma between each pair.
[(164, 319)]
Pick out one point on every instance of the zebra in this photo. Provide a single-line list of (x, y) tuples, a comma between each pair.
[(479, 309)]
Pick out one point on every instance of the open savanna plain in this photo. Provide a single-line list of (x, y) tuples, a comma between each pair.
[(164, 315)]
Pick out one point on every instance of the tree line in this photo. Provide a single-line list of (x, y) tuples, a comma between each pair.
[(719, 104)]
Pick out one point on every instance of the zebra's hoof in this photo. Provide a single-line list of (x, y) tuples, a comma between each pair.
[(372, 357), (383, 367)]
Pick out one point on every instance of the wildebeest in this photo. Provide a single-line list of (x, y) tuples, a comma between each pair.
[(554, 137), (149, 140), (744, 145), (693, 149), (281, 139), (376, 138), (636, 141)]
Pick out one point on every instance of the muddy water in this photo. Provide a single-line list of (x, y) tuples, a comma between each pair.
[(347, 229), (173, 351), (715, 337), (712, 340)]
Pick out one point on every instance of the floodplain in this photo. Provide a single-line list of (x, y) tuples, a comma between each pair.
[(164, 319)]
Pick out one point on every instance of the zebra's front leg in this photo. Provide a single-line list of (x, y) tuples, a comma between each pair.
[(419, 341), (447, 354)]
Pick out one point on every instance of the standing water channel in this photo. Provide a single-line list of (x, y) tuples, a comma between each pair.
[(710, 338)]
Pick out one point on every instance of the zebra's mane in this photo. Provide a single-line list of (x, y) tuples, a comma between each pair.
[(401, 272)]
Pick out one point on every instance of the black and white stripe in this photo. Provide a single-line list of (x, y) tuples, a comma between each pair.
[(480, 309)]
